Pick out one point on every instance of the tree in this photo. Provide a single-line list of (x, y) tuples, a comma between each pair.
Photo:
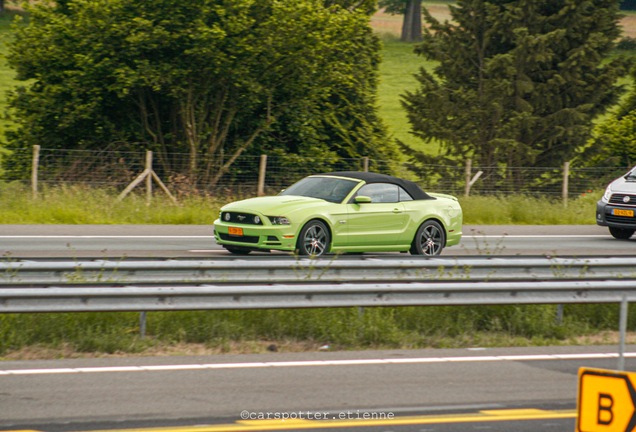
[(412, 12), (518, 82), (207, 78), (614, 142), (617, 139)]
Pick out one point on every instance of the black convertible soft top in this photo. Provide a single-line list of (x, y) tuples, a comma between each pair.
[(369, 177)]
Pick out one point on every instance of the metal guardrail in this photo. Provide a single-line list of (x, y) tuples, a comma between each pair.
[(98, 285), (267, 270), (200, 297)]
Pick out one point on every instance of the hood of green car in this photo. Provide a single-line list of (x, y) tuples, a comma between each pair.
[(273, 205)]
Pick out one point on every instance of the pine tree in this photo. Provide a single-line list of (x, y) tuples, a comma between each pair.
[(518, 82)]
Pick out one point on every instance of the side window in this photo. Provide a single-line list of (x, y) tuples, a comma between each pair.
[(404, 195), (381, 192)]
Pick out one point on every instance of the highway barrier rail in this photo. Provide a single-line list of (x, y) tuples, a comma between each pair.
[(288, 282), (338, 281)]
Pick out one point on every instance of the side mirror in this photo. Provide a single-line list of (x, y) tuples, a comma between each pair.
[(361, 199)]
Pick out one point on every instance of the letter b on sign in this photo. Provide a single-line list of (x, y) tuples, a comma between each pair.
[(605, 405), (606, 401)]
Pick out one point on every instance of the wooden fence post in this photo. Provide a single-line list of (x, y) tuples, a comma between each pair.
[(148, 177), (566, 177), (467, 169), (470, 181), (262, 170), (148, 174), (35, 166), (365, 164)]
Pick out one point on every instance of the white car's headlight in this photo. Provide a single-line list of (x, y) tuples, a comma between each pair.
[(279, 220), (608, 194)]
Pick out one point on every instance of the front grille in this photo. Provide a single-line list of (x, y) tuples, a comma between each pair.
[(618, 198), (240, 218), (621, 219), (242, 239)]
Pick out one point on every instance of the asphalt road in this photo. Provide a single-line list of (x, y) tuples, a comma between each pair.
[(76, 241), (423, 390)]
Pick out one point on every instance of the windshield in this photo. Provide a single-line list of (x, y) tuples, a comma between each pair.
[(631, 175), (330, 189)]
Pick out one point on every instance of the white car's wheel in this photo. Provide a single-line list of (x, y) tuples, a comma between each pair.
[(621, 233)]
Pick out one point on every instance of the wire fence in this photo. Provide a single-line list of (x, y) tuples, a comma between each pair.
[(251, 175)]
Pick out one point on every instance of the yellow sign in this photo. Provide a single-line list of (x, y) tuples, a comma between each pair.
[(607, 401)]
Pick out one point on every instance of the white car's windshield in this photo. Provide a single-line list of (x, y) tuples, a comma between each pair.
[(330, 189)]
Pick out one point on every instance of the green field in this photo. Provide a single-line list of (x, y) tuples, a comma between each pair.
[(399, 64)]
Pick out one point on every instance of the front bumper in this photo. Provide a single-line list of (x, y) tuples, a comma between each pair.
[(605, 216), (256, 237)]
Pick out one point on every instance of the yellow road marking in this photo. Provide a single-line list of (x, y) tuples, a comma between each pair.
[(273, 424)]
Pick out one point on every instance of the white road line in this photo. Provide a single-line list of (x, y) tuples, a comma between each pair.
[(102, 237), (477, 236), (535, 236), (309, 363)]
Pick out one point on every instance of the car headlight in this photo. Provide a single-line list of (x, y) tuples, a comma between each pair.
[(608, 194), (279, 220)]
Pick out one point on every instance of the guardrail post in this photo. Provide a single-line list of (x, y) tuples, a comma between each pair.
[(142, 325), (559, 314), (622, 331)]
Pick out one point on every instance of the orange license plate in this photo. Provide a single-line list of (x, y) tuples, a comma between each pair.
[(235, 231), (620, 212)]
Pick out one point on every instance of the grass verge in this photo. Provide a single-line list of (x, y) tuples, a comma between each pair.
[(254, 331), (78, 204)]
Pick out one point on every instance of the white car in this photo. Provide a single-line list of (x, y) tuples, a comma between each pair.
[(617, 208)]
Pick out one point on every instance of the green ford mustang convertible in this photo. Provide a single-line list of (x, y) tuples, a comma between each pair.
[(343, 212)]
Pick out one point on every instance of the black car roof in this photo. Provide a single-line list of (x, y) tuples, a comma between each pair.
[(369, 177)]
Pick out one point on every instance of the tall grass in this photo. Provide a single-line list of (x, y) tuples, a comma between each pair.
[(78, 204), (525, 210), (346, 328)]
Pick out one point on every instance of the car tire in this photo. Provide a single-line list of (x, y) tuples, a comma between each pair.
[(621, 233), (314, 239), (429, 240), (237, 250)]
